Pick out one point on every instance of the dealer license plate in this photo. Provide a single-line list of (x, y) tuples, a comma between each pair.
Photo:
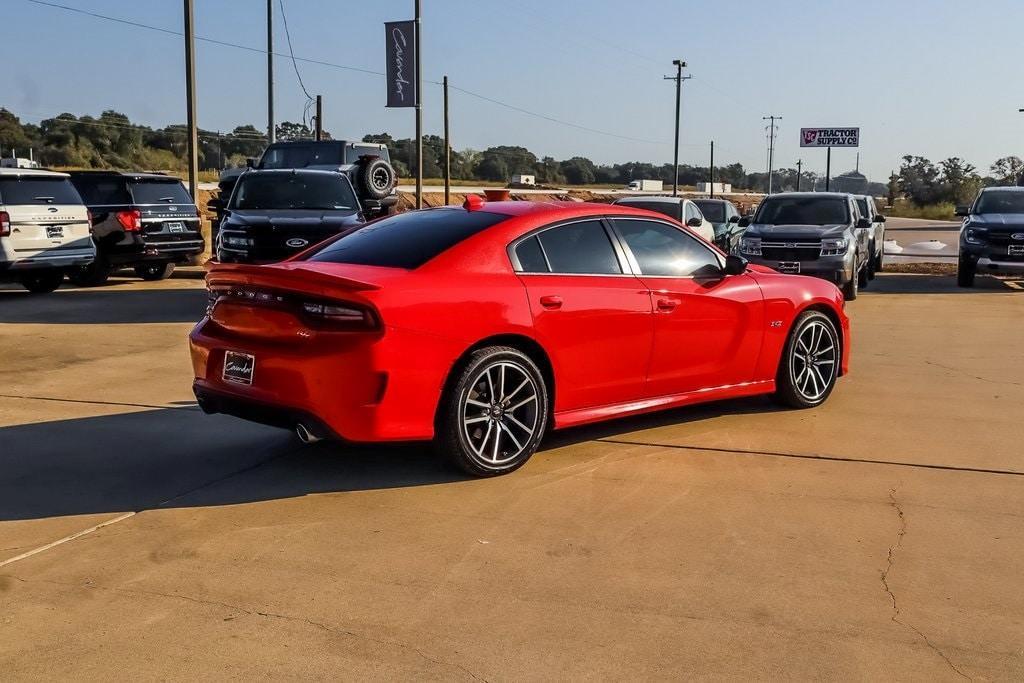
[(789, 267), (176, 227), (238, 367), (1016, 250), (54, 232)]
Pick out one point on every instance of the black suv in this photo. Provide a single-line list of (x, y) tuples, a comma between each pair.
[(146, 221), (992, 235), (812, 233), (367, 165), (273, 214)]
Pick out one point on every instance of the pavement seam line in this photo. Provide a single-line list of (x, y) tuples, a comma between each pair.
[(70, 537), (895, 617), (99, 403), (814, 456)]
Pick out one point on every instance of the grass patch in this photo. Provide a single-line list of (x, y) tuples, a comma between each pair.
[(932, 212)]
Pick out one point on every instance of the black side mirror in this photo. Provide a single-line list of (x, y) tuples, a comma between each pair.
[(734, 218), (694, 222), (250, 162), (735, 265), (963, 211), (744, 222), (879, 218), (863, 224)]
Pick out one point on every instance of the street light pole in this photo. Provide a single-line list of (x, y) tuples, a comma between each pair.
[(190, 99), (799, 172), (678, 78), (771, 145), (419, 113), (270, 71)]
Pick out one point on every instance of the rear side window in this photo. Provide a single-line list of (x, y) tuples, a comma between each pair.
[(159, 192), (353, 152), (102, 191), (862, 204), (581, 247), (302, 155), (713, 211), (38, 191), (407, 240), (530, 257)]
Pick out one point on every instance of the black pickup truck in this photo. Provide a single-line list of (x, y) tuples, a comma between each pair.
[(145, 221), (367, 165)]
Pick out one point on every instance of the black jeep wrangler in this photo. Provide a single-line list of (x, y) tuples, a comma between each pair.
[(367, 165)]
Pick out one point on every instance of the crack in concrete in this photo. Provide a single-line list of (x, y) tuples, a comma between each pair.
[(259, 613), (968, 374), (892, 596)]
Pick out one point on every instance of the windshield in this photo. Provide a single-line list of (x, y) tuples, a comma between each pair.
[(300, 156), (159, 192), (713, 211), (1000, 201), (802, 211), (309, 190), (35, 191)]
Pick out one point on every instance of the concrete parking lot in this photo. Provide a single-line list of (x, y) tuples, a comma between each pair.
[(879, 536)]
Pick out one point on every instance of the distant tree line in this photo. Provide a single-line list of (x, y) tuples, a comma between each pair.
[(951, 181)]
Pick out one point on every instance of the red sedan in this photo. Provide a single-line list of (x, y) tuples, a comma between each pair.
[(482, 327)]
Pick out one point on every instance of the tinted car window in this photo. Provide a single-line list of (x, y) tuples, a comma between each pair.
[(300, 156), (37, 191), (102, 191), (661, 249), (310, 190), (407, 240), (1000, 201), (670, 209), (354, 151), (713, 211), (530, 257), (803, 211), (862, 206), (581, 247), (159, 192)]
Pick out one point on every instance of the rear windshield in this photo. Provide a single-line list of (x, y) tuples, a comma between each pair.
[(37, 191), (713, 211), (407, 240), (98, 191), (159, 192), (1000, 201), (300, 156), (802, 211), (670, 209), (310, 190)]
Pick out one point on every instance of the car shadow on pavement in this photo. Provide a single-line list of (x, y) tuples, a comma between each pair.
[(103, 306), (179, 457), (912, 283)]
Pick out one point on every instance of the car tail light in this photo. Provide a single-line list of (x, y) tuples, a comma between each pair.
[(339, 315), (5, 224), (88, 217), (131, 221)]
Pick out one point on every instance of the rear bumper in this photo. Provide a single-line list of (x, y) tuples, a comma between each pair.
[(79, 257), (154, 249), (212, 401)]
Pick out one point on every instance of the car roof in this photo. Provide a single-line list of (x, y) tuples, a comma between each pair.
[(333, 170), (136, 175), (712, 199), (841, 195), (32, 172), (1006, 188), (555, 209)]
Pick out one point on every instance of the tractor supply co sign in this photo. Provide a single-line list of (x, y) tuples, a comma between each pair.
[(830, 137)]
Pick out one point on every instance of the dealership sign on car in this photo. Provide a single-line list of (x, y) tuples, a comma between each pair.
[(830, 137)]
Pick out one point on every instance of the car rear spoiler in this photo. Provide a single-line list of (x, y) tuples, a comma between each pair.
[(292, 278)]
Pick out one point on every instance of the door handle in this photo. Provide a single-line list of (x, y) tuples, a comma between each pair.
[(667, 305), (551, 301)]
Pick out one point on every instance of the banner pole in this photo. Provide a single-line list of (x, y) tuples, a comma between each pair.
[(828, 169), (419, 115)]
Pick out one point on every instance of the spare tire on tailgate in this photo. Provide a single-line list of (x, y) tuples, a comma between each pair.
[(376, 177)]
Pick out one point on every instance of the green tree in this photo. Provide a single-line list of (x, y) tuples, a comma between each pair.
[(960, 180), (1007, 170), (920, 181), (578, 171)]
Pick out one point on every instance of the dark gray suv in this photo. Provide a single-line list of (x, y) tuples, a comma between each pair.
[(811, 233), (992, 235)]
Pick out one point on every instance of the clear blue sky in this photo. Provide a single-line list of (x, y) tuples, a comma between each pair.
[(936, 78)]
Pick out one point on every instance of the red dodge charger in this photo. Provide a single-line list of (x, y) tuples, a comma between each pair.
[(482, 327)]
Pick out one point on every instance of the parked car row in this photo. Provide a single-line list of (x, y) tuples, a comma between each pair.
[(83, 224)]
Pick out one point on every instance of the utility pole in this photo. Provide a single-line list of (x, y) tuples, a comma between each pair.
[(771, 145), (319, 118), (190, 99), (799, 172), (828, 168), (270, 72), (678, 78), (712, 168), (419, 113), (447, 147)]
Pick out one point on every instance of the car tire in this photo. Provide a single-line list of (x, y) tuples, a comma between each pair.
[(851, 287), (871, 263), (863, 276), (966, 269), (879, 259), (810, 362), (376, 178), (493, 413), (154, 271), (92, 275), (42, 282)]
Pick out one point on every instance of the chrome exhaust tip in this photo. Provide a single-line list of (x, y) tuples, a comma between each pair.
[(306, 436)]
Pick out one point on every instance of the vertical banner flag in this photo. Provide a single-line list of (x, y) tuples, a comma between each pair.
[(400, 49)]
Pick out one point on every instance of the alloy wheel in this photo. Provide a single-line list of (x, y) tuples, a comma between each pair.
[(500, 413), (812, 365)]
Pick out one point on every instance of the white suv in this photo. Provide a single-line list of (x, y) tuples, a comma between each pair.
[(44, 228)]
